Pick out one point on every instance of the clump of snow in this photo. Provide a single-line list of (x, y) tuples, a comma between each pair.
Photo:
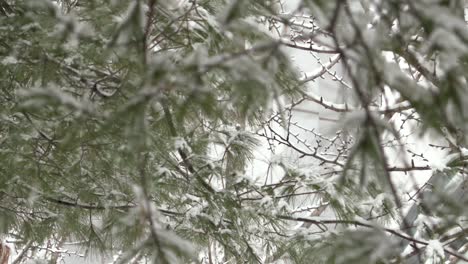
[(437, 164), (266, 200), (9, 60), (180, 143), (434, 249), (423, 221), (283, 205), (162, 171)]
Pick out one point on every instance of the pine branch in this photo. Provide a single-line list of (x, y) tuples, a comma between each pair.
[(181, 152), (309, 48), (105, 207), (368, 225)]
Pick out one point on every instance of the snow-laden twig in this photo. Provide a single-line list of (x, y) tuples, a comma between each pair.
[(342, 108), (322, 70), (294, 45), (322, 221)]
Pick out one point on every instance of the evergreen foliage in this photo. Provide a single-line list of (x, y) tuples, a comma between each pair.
[(129, 127)]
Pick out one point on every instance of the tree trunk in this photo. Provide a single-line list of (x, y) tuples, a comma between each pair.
[(4, 253)]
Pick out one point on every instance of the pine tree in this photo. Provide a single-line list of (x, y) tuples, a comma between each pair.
[(129, 127)]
